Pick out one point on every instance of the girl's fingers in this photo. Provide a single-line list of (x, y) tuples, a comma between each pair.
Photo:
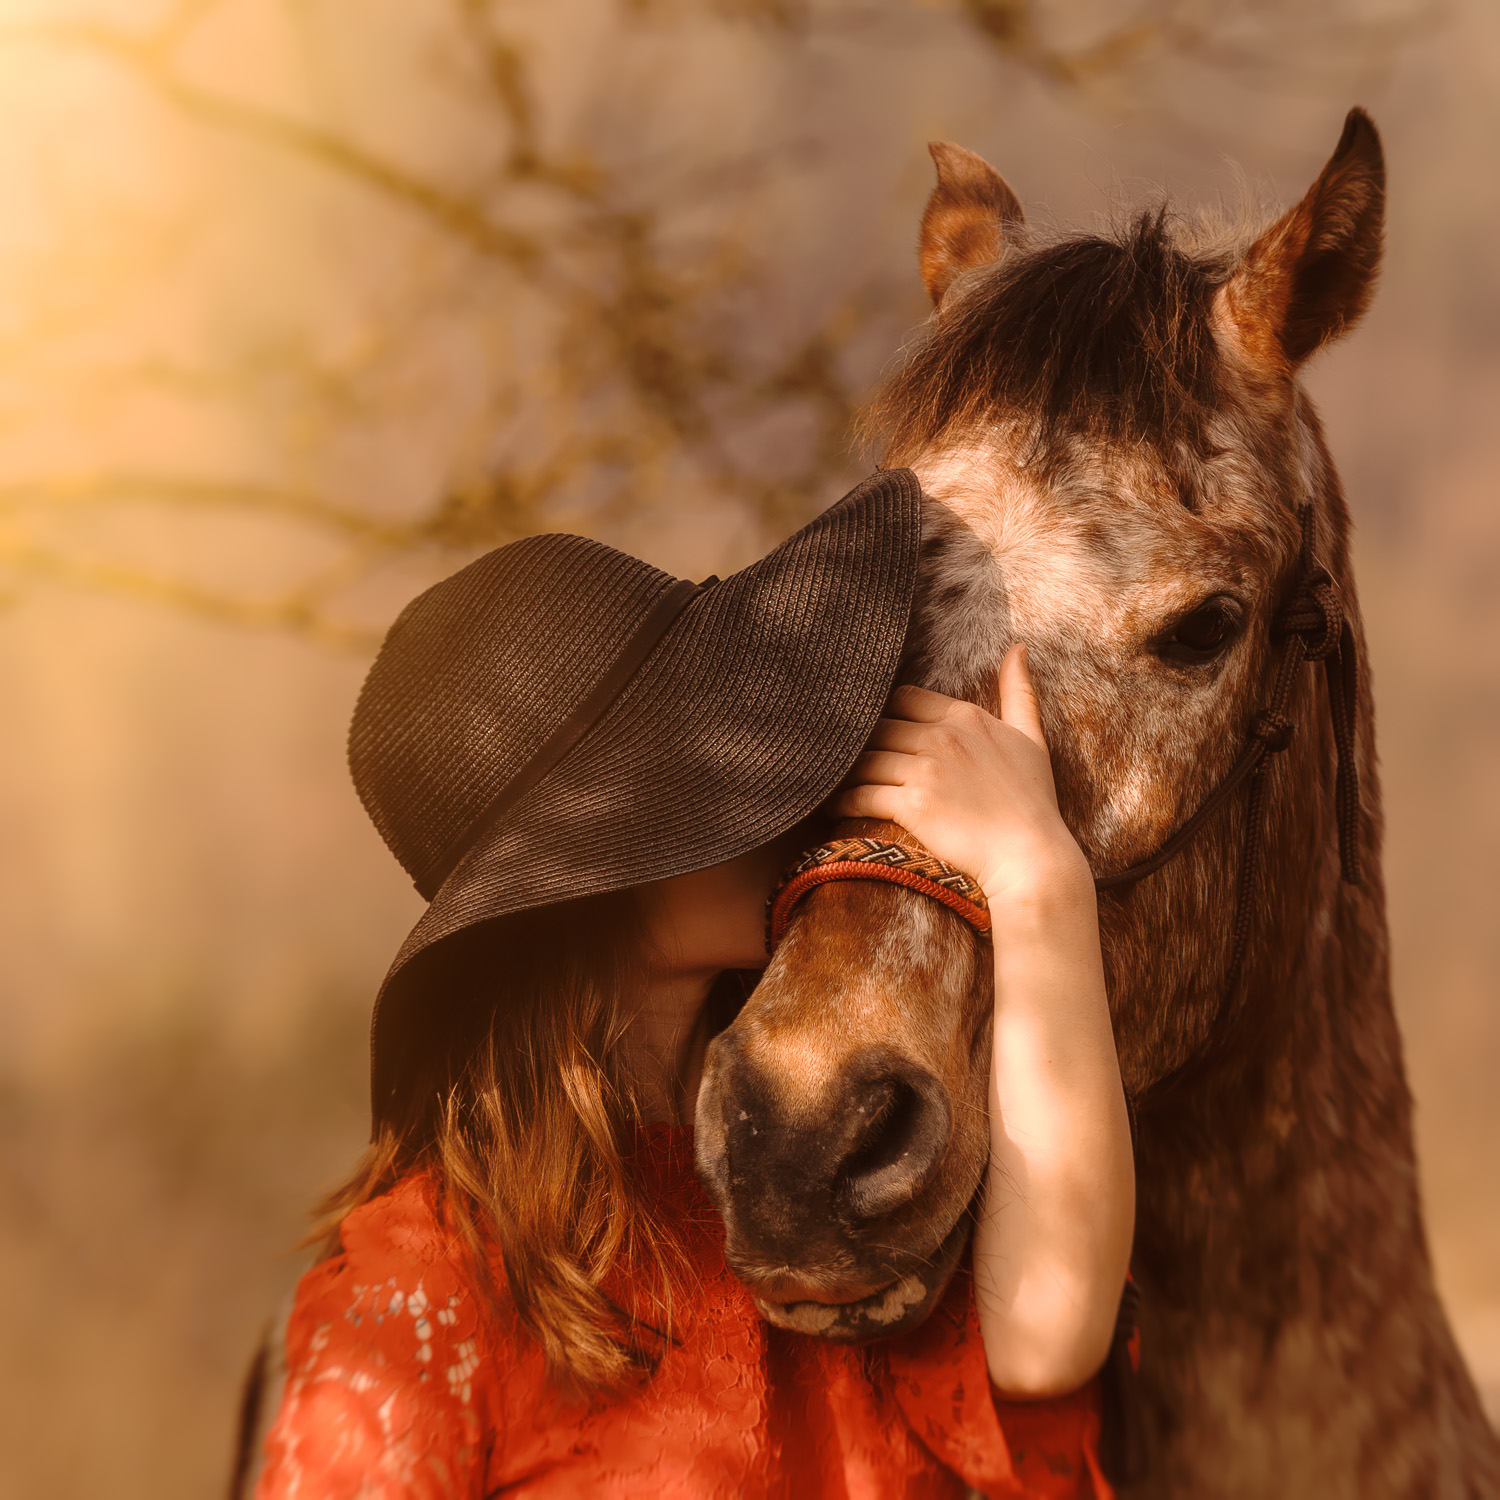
[(1018, 705), (867, 801), (896, 734), (921, 705), (884, 767)]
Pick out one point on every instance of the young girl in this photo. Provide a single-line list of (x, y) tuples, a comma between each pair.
[(595, 774)]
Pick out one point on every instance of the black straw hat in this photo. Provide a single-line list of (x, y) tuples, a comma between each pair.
[(559, 719)]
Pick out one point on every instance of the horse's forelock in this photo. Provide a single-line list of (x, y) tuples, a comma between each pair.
[(1104, 337)]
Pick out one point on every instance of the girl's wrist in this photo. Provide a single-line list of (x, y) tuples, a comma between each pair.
[(1048, 881), (1045, 926)]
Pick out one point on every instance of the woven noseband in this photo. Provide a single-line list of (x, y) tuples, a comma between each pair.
[(871, 859)]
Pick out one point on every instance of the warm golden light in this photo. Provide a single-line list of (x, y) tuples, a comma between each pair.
[(305, 302)]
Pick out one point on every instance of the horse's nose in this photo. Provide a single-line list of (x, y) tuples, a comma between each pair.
[(902, 1124), (788, 1159)]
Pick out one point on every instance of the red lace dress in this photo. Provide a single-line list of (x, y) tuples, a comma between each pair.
[(399, 1388)]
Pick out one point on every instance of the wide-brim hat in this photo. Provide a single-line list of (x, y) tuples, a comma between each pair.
[(559, 719)]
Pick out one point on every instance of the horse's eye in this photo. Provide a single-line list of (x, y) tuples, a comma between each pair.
[(1204, 634)]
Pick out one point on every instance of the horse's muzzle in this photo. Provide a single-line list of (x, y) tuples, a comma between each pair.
[(789, 1166)]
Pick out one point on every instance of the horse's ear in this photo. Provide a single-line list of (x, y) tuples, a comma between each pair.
[(1310, 276), (966, 217)]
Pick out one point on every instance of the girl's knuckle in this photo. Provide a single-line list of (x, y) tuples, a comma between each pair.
[(944, 741)]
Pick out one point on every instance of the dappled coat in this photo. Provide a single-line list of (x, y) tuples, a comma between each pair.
[(399, 1385)]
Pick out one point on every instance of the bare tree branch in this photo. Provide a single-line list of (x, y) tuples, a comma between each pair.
[(204, 494), (453, 213), (1187, 28), (639, 359), (294, 614)]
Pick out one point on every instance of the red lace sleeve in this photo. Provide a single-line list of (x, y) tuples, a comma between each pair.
[(1043, 1450), (382, 1396)]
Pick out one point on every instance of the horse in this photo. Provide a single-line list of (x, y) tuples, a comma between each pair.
[(1120, 468)]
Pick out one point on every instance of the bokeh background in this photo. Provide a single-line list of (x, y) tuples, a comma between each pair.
[(303, 302)]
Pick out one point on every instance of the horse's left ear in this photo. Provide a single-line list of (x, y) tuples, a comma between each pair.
[(1311, 275), (966, 217)]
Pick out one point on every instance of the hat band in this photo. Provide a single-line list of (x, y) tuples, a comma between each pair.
[(657, 622)]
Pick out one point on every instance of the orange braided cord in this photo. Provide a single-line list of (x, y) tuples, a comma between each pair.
[(871, 859)]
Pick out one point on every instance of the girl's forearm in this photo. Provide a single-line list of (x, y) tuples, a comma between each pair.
[(1053, 1242)]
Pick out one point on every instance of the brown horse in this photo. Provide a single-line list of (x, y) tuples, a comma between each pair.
[(1118, 456)]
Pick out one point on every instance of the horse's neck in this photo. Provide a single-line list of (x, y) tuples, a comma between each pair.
[(1293, 1338), (1255, 1186), (1294, 1335)]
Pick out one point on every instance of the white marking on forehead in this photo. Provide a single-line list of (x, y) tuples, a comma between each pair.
[(1040, 549), (1095, 556)]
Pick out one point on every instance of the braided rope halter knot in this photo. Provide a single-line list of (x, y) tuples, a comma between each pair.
[(875, 859)]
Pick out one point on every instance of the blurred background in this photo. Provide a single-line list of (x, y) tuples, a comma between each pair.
[(304, 302)]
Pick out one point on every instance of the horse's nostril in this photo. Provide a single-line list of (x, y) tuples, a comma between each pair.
[(900, 1143)]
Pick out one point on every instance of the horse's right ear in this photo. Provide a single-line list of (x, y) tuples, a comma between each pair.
[(966, 217), (1311, 275)]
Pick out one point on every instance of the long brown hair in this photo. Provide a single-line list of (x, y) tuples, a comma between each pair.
[(514, 1103)]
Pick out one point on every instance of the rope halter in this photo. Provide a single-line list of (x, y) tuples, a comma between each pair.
[(875, 859)]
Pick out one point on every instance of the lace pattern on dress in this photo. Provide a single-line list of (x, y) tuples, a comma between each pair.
[(398, 1389)]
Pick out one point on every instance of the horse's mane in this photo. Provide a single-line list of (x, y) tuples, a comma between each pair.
[(1100, 335)]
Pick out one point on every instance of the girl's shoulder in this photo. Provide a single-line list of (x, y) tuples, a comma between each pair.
[(404, 1225), (392, 1365), (403, 1279)]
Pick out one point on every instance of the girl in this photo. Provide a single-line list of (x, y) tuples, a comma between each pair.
[(594, 773)]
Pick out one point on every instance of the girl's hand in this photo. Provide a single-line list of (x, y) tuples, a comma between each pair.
[(976, 790)]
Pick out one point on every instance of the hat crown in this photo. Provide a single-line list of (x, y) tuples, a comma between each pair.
[(477, 672)]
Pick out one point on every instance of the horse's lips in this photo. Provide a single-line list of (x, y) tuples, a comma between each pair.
[(899, 1305)]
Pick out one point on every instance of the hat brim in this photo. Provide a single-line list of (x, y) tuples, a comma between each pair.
[(741, 722)]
